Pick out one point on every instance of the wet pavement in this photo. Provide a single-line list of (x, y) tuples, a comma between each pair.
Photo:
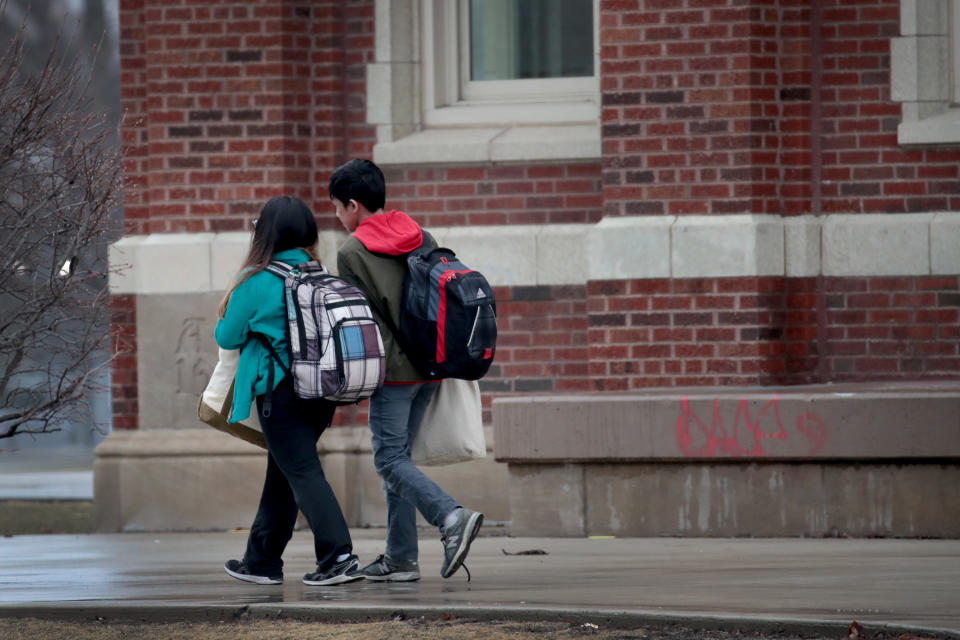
[(906, 584)]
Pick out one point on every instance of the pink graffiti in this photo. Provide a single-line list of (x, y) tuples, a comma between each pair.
[(746, 436)]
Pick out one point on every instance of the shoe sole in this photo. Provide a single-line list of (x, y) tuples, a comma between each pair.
[(395, 577), (470, 531), (340, 579), (243, 577)]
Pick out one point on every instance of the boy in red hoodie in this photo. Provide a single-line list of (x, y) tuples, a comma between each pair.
[(374, 259)]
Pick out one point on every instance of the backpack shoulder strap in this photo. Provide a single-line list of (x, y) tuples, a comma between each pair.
[(425, 244), (280, 269), (268, 399)]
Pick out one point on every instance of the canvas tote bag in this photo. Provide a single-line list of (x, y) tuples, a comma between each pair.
[(452, 427), (217, 398)]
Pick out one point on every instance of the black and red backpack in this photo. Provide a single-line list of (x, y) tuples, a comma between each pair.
[(448, 316)]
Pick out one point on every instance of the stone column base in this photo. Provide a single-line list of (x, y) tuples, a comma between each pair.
[(202, 479)]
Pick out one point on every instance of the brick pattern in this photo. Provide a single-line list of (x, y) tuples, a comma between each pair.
[(541, 342), (894, 327), (707, 110), (228, 105), (350, 96), (756, 331), (689, 107), (133, 102), (864, 168), (123, 371), (496, 195)]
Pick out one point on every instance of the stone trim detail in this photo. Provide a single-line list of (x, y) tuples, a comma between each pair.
[(811, 422), (920, 75), (640, 247), (492, 144)]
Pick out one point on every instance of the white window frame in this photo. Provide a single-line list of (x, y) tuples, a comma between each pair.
[(562, 89), (449, 100), (955, 49), (414, 99), (925, 72)]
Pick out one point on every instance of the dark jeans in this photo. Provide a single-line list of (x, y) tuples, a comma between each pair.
[(295, 481)]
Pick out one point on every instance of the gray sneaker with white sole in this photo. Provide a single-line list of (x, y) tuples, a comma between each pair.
[(386, 569), (456, 541)]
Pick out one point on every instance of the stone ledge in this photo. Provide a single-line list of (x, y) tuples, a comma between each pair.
[(202, 479), (857, 460), (893, 421), (172, 442), (492, 144), (632, 247), (210, 442)]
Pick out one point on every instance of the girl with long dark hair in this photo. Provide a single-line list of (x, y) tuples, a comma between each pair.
[(285, 231)]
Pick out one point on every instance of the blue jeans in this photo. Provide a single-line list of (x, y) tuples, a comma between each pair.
[(395, 415)]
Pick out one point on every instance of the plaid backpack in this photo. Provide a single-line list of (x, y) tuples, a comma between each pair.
[(335, 345), (448, 316)]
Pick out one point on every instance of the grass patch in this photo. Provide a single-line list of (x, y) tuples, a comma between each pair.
[(28, 517)]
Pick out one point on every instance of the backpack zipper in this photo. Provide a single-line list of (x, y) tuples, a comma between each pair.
[(443, 280), (473, 328), (342, 303), (298, 315)]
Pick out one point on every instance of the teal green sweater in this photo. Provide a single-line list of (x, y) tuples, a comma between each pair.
[(256, 305)]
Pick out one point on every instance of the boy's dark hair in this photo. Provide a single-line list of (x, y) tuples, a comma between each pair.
[(359, 180)]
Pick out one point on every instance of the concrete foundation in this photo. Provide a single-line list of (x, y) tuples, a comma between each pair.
[(202, 479), (813, 461)]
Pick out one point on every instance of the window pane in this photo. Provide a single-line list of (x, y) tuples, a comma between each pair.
[(523, 39)]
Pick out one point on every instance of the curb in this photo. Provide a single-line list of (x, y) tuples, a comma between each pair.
[(180, 612)]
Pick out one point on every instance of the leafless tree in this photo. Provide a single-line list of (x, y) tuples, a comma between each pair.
[(60, 181)]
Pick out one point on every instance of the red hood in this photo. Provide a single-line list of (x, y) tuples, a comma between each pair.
[(393, 233)]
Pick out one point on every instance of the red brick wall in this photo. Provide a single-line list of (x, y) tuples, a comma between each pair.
[(495, 195), (541, 340), (123, 383), (133, 101), (756, 331), (357, 51), (229, 104), (707, 109)]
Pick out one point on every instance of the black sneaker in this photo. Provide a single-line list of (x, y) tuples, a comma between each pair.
[(240, 571), (385, 569), (339, 573), (456, 541)]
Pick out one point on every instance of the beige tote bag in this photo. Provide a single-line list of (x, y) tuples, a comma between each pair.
[(452, 427), (217, 398)]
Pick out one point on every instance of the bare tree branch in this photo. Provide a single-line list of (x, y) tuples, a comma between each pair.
[(60, 182)]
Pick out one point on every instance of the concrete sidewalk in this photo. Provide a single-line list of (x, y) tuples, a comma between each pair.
[(802, 585)]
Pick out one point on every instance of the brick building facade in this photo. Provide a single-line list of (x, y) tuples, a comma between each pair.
[(708, 108), (748, 206)]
